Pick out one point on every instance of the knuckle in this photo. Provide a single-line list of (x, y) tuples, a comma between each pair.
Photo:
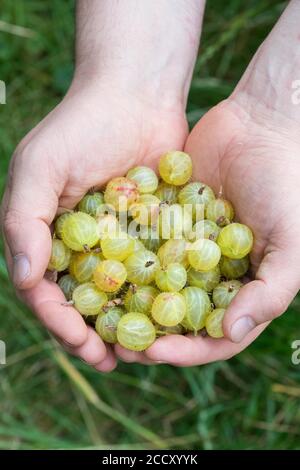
[(279, 304), (11, 223)]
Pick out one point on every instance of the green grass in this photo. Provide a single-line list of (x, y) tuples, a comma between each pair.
[(49, 400)]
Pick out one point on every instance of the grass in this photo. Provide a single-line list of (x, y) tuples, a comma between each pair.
[(52, 401)]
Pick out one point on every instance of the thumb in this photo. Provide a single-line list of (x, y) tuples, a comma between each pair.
[(277, 282), (28, 208)]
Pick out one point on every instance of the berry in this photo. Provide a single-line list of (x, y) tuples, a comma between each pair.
[(175, 167), (167, 193), (197, 195), (60, 256), (198, 306), (67, 283), (135, 331), (225, 292), (220, 211), (107, 323), (117, 246), (140, 298), (144, 177), (173, 251), (206, 280), (88, 299), (204, 255), (171, 278), (213, 323), (146, 210), (83, 265), (141, 267), (79, 231), (169, 308), (91, 203), (60, 222), (234, 268), (205, 229), (175, 221), (120, 193), (110, 275), (235, 241)]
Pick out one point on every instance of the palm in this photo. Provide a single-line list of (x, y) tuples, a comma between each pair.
[(87, 149), (83, 143), (255, 166)]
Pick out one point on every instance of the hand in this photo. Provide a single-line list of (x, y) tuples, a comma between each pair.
[(249, 146), (125, 107), (96, 133)]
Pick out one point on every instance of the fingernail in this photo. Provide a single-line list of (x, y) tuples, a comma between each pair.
[(241, 328), (21, 269), (159, 362)]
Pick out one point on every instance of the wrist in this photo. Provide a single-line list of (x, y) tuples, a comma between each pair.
[(146, 49), (270, 85)]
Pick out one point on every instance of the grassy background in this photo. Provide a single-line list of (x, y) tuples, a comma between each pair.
[(49, 400)]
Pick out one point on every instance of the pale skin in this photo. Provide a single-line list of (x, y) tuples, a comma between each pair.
[(249, 145)]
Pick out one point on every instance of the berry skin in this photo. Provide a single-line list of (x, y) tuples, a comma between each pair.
[(140, 299), (172, 278), (60, 256), (198, 307), (145, 178), (235, 241), (68, 284), (146, 210), (175, 167), (135, 331), (167, 193), (169, 308), (110, 275), (225, 292), (213, 323), (91, 203), (168, 330), (141, 267), (173, 251), (117, 246), (206, 280), (79, 231), (88, 299), (205, 229), (150, 237), (175, 221), (120, 193), (220, 211), (204, 255), (107, 224), (83, 265), (107, 323), (234, 268), (60, 222), (197, 195)]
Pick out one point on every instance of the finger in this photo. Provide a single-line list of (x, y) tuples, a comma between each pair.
[(28, 207), (48, 303), (109, 363), (185, 351), (277, 282), (132, 356), (92, 351)]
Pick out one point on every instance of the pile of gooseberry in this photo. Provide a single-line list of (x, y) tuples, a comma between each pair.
[(151, 256)]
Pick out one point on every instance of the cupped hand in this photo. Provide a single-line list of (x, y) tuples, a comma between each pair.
[(251, 152), (97, 132)]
